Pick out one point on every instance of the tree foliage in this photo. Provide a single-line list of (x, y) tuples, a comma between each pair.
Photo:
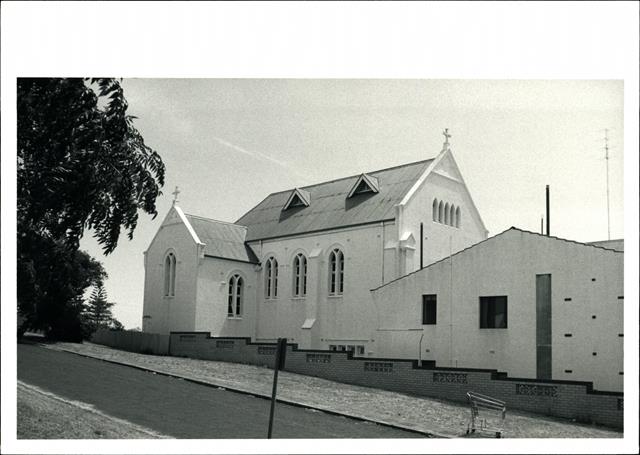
[(81, 165), (51, 281), (97, 312)]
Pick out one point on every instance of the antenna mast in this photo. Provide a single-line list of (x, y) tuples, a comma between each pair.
[(606, 157)]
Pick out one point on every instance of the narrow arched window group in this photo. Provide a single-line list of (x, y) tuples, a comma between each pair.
[(446, 213), (271, 278), (170, 275), (336, 272), (234, 305), (299, 275), (299, 269)]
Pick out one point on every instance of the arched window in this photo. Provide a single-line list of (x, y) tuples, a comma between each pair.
[(170, 275), (234, 305), (457, 217), (446, 213), (299, 275), (336, 272), (271, 278), (435, 210), (452, 215), (440, 212)]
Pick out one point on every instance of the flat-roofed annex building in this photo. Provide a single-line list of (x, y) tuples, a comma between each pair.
[(302, 262), (527, 304)]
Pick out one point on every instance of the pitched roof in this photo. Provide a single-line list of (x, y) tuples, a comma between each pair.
[(222, 240), (497, 237), (616, 244), (330, 208)]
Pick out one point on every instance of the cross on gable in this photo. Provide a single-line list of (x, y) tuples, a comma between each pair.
[(446, 135), (175, 195)]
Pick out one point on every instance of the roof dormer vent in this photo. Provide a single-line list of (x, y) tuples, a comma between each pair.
[(365, 184), (297, 198)]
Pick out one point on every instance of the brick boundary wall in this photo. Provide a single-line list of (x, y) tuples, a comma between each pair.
[(145, 343), (568, 399)]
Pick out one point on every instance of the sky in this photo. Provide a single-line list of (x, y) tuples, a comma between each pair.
[(228, 143)]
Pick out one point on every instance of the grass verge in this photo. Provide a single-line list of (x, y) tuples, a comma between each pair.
[(43, 415)]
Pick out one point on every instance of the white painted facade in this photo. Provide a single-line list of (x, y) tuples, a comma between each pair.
[(507, 265)]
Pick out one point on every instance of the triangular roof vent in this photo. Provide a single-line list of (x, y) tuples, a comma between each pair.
[(297, 198), (365, 184)]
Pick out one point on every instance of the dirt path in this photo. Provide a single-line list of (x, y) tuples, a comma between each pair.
[(439, 417)]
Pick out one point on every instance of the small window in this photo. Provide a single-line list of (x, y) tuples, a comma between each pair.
[(271, 278), (429, 304), (493, 312), (170, 275), (435, 210), (300, 275), (360, 350), (341, 347), (457, 217), (333, 347), (336, 272), (234, 301)]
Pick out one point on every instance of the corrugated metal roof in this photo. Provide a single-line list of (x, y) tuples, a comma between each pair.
[(223, 240), (330, 208)]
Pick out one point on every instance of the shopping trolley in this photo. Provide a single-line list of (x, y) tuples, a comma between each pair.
[(492, 417)]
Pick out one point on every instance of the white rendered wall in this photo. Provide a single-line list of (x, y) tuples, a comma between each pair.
[(346, 319), (170, 313), (440, 239), (212, 299), (507, 265)]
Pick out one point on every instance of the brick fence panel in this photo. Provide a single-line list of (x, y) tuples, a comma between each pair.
[(145, 343)]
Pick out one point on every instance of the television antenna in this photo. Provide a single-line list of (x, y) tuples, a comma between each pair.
[(606, 158)]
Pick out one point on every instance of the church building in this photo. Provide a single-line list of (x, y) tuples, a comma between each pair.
[(302, 263), (393, 263)]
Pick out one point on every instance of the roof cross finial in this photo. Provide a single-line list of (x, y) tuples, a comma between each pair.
[(175, 195), (446, 135)]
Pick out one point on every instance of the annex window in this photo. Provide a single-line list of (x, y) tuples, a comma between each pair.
[(493, 312), (434, 210), (452, 215), (300, 275), (429, 305), (170, 275), (440, 212), (271, 278), (457, 217), (234, 302), (336, 272)]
